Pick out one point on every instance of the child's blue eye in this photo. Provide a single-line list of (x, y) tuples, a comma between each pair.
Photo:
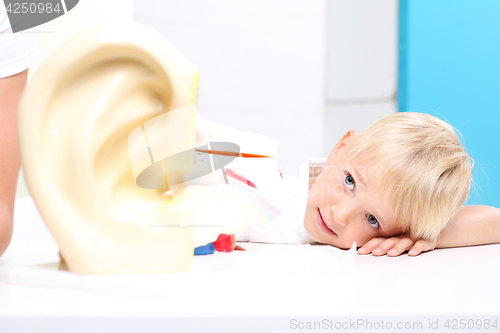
[(372, 220), (349, 181)]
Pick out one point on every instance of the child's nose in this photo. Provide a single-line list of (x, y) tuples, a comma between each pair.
[(342, 214)]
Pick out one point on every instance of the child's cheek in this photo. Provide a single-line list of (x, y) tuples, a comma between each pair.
[(363, 237)]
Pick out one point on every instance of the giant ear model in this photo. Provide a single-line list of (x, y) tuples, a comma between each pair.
[(74, 122)]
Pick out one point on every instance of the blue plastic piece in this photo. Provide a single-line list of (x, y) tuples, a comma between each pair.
[(205, 249)]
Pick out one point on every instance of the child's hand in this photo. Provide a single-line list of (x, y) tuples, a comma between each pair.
[(396, 245)]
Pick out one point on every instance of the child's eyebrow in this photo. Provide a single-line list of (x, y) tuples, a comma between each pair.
[(358, 176)]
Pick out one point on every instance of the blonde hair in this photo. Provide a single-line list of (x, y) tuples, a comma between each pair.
[(420, 160)]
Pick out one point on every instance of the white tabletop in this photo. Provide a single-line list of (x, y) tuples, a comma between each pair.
[(269, 287)]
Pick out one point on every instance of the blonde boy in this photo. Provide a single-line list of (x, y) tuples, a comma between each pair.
[(399, 185)]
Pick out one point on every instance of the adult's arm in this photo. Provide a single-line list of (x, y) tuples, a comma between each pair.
[(11, 89)]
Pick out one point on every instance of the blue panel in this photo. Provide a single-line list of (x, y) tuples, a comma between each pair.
[(449, 66)]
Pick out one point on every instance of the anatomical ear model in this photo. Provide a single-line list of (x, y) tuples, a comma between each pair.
[(75, 123)]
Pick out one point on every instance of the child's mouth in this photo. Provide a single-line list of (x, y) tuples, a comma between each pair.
[(322, 225)]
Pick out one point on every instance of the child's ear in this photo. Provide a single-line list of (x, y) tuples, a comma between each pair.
[(341, 144)]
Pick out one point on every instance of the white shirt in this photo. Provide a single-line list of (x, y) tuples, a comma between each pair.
[(17, 51), (288, 226)]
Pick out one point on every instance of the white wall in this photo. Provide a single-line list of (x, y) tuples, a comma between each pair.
[(361, 66), (262, 65), (51, 35), (301, 71)]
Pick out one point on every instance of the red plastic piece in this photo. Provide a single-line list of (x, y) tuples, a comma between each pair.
[(223, 243)]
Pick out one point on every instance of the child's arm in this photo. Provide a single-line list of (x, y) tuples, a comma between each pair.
[(473, 225)]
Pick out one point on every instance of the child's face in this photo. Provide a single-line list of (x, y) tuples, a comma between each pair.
[(343, 208)]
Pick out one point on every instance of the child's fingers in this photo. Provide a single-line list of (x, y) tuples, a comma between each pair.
[(370, 245), (420, 245), (385, 246), (401, 246)]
